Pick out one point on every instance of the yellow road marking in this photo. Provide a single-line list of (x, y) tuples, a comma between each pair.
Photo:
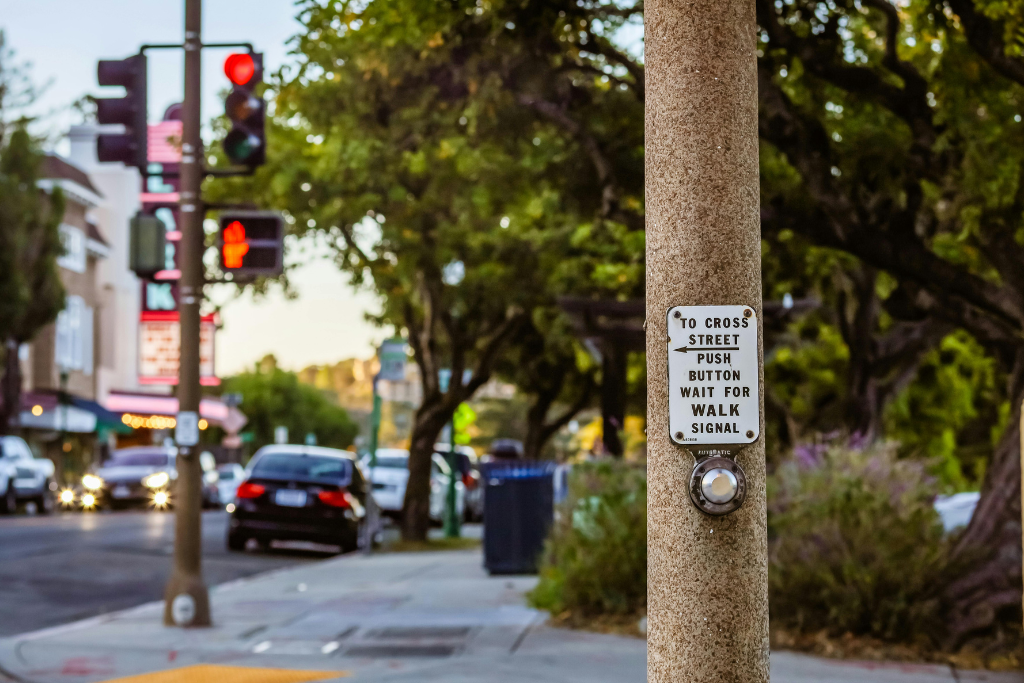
[(213, 673)]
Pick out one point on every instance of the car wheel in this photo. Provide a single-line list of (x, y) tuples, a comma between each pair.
[(236, 541), (47, 501), (9, 504)]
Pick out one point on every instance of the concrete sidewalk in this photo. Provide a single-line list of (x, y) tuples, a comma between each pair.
[(391, 617)]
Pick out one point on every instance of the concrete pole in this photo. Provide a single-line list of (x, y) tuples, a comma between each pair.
[(186, 601), (707, 576)]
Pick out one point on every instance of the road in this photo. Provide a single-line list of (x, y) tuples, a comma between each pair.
[(71, 566)]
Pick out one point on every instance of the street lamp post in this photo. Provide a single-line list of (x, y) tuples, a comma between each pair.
[(707, 528)]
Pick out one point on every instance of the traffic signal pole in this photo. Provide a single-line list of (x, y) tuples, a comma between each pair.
[(707, 544), (186, 600)]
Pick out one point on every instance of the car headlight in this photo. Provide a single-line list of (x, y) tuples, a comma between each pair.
[(92, 482), (156, 480)]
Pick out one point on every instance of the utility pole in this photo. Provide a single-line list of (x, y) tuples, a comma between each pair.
[(707, 526), (186, 600)]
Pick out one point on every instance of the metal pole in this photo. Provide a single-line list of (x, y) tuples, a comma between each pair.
[(452, 527), (707, 575), (186, 601), (372, 511)]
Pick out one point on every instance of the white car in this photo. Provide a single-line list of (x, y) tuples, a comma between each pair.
[(391, 476), (24, 477), (228, 478)]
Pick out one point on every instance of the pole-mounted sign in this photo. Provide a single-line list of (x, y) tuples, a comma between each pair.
[(713, 404)]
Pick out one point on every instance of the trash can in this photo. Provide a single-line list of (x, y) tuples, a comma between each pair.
[(519, 506)]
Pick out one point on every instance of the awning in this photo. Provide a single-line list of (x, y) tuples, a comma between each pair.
[(213, 410), (105, 419)]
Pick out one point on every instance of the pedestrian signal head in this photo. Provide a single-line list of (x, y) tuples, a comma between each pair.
[(251, 243)]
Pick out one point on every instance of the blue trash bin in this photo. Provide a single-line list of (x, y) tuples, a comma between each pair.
[(519, 507)]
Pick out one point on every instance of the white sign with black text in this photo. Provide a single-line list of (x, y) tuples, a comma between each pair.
[(713, 375)]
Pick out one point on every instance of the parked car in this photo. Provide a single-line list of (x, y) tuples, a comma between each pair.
[(391, 476), (228, 478), (301, 493), (24, 478), (144, 475), (468, 466)]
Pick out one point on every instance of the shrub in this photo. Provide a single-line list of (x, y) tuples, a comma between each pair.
[(595, 559), (855, 545)]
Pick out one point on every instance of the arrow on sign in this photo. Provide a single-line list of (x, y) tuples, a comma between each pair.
[(686, 349)]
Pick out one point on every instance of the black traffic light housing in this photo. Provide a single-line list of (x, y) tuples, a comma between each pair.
[(251, 243), (130, 147), (147, 245), (246, 142)]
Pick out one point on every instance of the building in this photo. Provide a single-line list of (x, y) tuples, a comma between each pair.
[(63, 365)]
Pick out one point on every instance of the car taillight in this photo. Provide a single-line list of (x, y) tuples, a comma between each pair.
[(337, 499), (249, 490)]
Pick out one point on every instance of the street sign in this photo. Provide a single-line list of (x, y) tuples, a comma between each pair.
[(392, 360), (713, 375), (186, 431)]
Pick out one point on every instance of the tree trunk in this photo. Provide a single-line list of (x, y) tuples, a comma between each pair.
[(10, 387), (536, 426), (430, 420), (990, 548)]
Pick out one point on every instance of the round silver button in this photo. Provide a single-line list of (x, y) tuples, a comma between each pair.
[(719, 485)]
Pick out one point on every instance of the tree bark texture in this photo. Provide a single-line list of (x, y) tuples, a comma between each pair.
[(10, 387), (991, 546), (707, 576)]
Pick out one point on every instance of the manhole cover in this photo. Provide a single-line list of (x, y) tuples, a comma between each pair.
[(420, 632), (400, 651)]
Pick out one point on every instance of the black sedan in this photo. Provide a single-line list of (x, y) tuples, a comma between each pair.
[(299, 493)]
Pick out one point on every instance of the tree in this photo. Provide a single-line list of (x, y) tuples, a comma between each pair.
[(901, 126), (466, 161), (273, 398), (31, 292), (545, 363)]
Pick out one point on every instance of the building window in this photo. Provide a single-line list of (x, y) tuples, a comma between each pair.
[(73, 344), (73, 240)]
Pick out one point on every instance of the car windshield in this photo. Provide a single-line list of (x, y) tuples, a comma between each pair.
[(137, 459), (394, 461), (298, 466), (226, 473)]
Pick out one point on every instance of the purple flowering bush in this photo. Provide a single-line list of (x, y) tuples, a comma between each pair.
[(855, 545)]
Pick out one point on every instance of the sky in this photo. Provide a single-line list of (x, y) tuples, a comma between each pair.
[(63, 40)]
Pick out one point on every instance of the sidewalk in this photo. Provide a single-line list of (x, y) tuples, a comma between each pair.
[(391, 617)]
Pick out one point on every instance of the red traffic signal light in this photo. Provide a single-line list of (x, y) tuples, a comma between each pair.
[(251, 243), (245, 143), (235, 247), (240, 68)]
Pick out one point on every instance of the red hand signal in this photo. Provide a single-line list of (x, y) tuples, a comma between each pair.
[(235, 246)]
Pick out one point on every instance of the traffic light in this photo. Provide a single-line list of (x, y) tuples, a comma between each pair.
[(147, 245), (251, 243), (246, 143), (130, 147)]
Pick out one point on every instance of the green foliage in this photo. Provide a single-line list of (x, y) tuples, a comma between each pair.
[(855, 545), (273, 397), (595, 561), (463, 418), (953, 413)]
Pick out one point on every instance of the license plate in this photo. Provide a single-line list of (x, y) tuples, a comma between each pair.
[(121, 492), (289, 498)]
